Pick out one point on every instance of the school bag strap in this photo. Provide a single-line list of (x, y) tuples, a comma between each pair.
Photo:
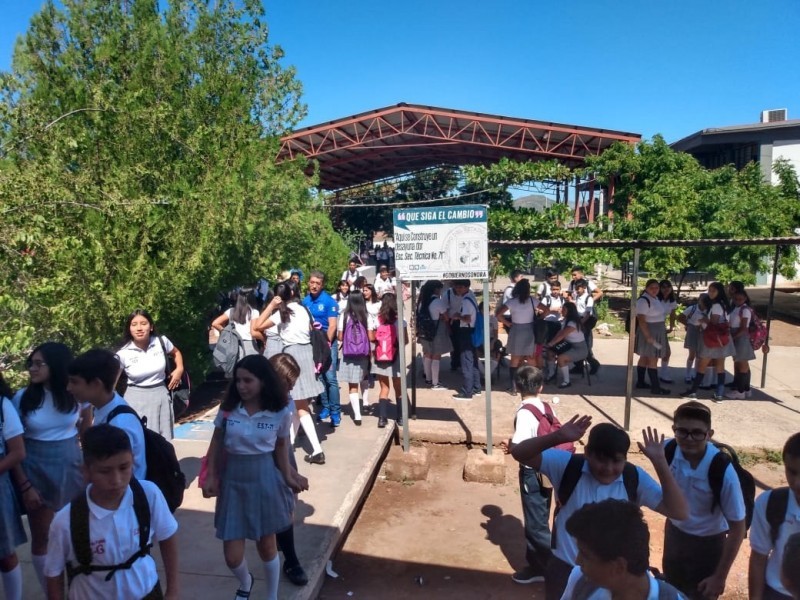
[(574, 470), (777, 505), (79, 532), (125, 409), (167, 370)]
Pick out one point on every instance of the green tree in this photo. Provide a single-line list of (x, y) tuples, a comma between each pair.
[(137, 170)]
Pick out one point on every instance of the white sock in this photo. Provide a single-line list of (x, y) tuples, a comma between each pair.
[(311, 433), (565, 374), (354, 402), (272, 572), (364, 385), (435, 364), (38, 561), (426, 366), (242, 573), (294, 428), (12, 583)]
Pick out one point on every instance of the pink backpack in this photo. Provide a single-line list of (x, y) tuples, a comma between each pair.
[(548, 423), (385, 341)]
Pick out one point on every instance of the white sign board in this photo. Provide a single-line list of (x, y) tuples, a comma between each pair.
[(444, 242)]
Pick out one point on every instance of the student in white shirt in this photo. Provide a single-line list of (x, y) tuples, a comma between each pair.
[(12, 535), (433, 307), (571, 332), (604, 473), (255, 487), (51, 418), (144, 360), (385, 283), (342, 292), (240, 314), (92, 376), (351, 274), (669, 302), (514, 277), (113, 529), (651, 337), (518, 314), (692, 318), (462, 324), (613, 555), (790, 567), (453, 302), (740, 317), (584, 302)]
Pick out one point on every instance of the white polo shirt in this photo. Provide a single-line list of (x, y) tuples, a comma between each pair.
[(453, 301), (553, 304), (668, 305), (576, 336), (243, 329), (254, 434), (526, 425), (697, 491), (113, 538), (588, 490), (468, 309), (522, 313), (384, 286), (738, 314), (145, 367), (761, 539), (584, 303), (296, 331), (603, 593), (693, 315), (11, 427), (131, 425), (350, 277), (46, 423), (651, 308)]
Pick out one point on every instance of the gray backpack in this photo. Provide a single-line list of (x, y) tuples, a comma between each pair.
[(226, 352)]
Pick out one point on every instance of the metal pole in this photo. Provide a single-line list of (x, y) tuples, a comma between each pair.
[(413, 354), (401, 345), (631, 339), (487, 366), (769, 313)]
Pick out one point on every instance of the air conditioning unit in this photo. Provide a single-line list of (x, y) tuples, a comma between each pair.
[(776, 114)]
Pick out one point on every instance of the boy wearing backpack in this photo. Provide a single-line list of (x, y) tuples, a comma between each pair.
[(603, 472), (775, 518), (534, 417), (102, 539), (463, 324), (699, 551), (92, 377), (613, 554)]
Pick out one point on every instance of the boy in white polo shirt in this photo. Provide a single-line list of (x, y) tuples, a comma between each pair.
[(767, 543), (92, 377), (102, 540), (603, 472)]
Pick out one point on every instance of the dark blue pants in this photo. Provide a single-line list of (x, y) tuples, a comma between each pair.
[(330, 395), (536, 516), (471, 376)]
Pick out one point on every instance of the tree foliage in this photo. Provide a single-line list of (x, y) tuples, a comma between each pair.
[(137, 170)]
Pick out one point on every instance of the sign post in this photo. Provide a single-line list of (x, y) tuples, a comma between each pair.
[(443, 242)]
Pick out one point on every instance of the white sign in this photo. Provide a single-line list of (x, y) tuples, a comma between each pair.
[(442, 242)]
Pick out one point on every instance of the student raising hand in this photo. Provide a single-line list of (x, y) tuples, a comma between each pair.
[(653, 446)]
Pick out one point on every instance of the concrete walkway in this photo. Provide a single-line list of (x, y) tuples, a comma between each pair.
[(354, 455)]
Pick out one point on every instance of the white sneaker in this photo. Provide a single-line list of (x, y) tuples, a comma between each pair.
[(734, 395)]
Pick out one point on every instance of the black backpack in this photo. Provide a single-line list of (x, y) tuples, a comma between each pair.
[(79, 532), (320, 347), (426, 326), (777, 505), (716, 474), (163, 467)]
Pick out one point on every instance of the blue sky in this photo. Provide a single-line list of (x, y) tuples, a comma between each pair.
[(632, 65)]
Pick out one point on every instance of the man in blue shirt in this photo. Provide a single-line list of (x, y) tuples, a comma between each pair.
[(325, 311)]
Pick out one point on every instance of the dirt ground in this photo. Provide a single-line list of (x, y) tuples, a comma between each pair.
[(446, 538)]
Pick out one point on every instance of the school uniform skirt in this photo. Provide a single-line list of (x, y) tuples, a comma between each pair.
[(520, 340), (692, 340), (307, 385), (386, 368), (154, 403), (658, 332), (11, 532), (742, 348), (441, 343), (250, 348), (578, 351), (273, 346), (54, 468), (254, 499), (353, 369)]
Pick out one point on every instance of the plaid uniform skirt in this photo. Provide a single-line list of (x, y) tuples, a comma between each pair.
[(441, 343), (692, 341), (520, 340), (54, 468), (274, 346), (250, 348), (307, 385), (11, 532), (254, 499), (155, 404), (658, 331), (353, 369), (743, 349), (386, 368), (579, 351)]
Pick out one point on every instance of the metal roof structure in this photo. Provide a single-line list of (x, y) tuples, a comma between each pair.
[(405, 138)]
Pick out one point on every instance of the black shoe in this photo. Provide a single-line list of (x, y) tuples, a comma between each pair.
[(641, 385), (689, 394), (382, 421), (705, 387), (295, 574), (315, 459), (576, 370), (357, 422), (594, 366), (242, 593), (659, 391), (462, 396)]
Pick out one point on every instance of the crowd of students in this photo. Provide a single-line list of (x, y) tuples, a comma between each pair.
[(598, 547)]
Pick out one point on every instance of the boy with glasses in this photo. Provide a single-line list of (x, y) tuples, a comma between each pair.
[(699, 551)]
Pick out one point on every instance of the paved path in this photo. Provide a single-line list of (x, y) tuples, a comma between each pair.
[(354, 454)]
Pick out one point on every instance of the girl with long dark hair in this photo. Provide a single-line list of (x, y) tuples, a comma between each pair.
[(572, 332), (651, 336), (387, 371), (518, 315), (431, 306), (240, 314), (353, 327), (669, 304)]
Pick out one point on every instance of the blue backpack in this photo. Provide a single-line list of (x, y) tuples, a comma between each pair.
[(476, 337)]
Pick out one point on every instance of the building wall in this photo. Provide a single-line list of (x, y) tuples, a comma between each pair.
[(788, 149)]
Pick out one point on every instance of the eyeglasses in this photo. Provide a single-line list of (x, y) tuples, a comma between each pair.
[(36, 364), (695, 434)]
